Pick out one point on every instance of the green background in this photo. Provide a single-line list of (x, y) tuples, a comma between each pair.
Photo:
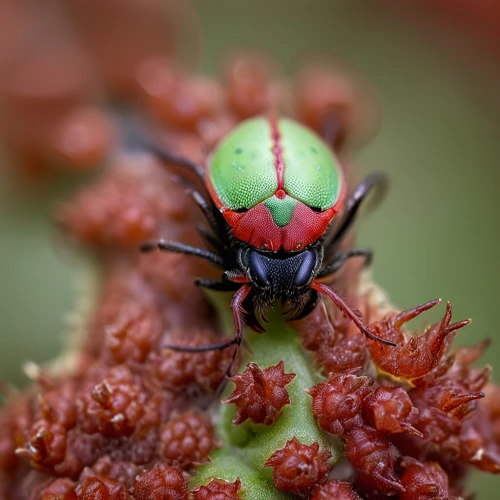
[(437, 234)]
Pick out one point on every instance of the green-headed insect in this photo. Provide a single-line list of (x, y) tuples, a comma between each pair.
[(274, 188)]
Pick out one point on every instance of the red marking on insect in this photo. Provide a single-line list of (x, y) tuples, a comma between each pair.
[(279, 164), (257, 227)]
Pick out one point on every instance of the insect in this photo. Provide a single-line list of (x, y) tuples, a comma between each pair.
[(274, 188)]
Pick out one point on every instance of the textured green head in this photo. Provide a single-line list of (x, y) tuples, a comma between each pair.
[(242, 169), (312, 174), (262, 157)]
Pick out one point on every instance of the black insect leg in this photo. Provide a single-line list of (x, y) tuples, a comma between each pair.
[(218, 346), (175, 159), (207, 209), (172, 246), (217, 286), (377, 181), (340, 259), (352, 314)]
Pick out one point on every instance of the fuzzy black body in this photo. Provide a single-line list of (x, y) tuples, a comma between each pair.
[(279, 277)]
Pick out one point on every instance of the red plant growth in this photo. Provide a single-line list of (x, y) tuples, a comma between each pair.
[(129, 420)]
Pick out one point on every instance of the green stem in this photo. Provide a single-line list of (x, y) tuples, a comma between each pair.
[(247, 446)]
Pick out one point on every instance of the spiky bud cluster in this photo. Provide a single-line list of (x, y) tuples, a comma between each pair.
[(260, 394), (218, 490), (187, 439), (372, 454), (128, 420), (60, 489), (428, 419), (334, 489), (424, 481), (160, 483), (193, 372), (119, 405), (390, 409), (415, 355), (297, 468), (337, 403), (95, 488)]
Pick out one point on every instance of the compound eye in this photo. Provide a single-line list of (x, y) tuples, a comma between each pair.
[(258, 268), (305, 270)]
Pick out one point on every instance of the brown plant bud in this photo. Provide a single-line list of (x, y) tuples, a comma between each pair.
[(217, 489), (334, 489), (58, 405), (477, 443), (323, 91), (112, 214), (46, 445), (342, 353), (330, 101), (174, 97), (120, 405), (112, 467), (205, 370), (390, 409), (260, 394), (297, 468), (83, 138), (371, 453), (424, 481), (418, 355), (59, 489), (95, 488), (249, 88), (187, 439), (133, 334), (447, 397), (337, 404), (7, 442), (161, 483), (336, 348)]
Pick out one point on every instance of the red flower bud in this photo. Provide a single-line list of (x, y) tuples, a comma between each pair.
[(297, 468), (188, 439), (161, 483), (217, 489), (390, 409), (371, 453), (337, 403), (260, 394)]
